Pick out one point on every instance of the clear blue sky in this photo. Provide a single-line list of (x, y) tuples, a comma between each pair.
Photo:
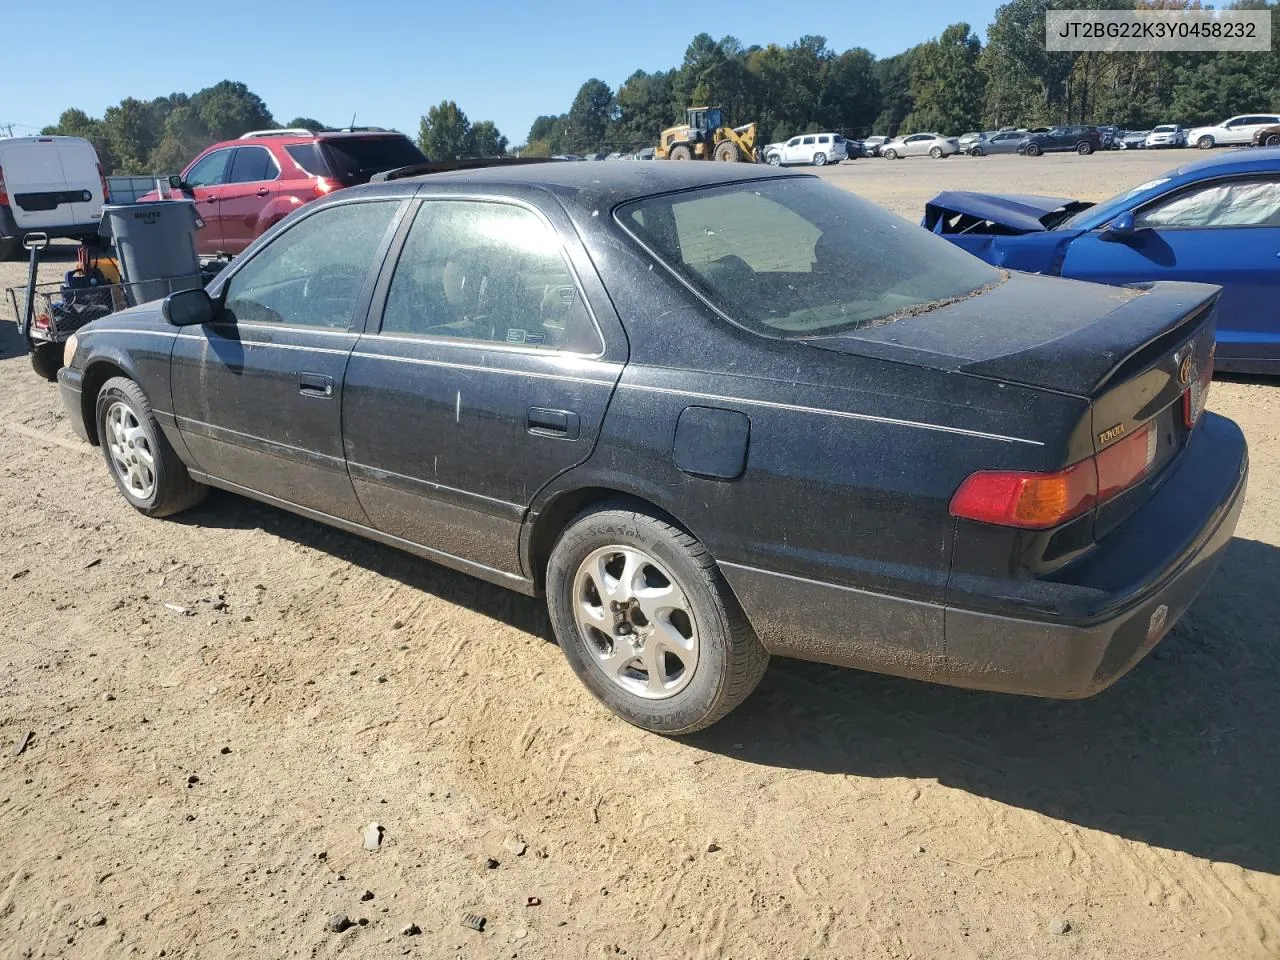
[(388, 60)]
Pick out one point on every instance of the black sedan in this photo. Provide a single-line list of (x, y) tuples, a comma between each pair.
[(1077, 139), (713, 412)]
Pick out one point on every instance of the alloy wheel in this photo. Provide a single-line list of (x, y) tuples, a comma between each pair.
[(636, 622), (131, 454)]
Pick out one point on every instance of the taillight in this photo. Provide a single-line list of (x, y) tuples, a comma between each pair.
[(102, 177), (1194, 397), (1034, 501), (324, 187), (4, 197), (1038, 501)]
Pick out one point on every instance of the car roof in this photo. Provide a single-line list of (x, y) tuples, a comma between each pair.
[(590, 184), (1244, 160)]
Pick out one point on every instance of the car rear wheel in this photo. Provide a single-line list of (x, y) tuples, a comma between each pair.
[(648, 623), (11, 249), (1033, 150), (819, 159), (46, 359), (1273, 140), (1084, 148), (890, 154), (1205, 143), (935, 152), (142, 463), (680, 152)]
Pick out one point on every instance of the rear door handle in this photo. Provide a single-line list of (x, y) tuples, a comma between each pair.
[(553, 423), (315, 385)]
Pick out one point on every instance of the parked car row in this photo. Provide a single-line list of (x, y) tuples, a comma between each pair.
[(813, 435)]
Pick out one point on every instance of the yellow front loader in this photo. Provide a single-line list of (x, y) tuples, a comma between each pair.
[(705, 137)]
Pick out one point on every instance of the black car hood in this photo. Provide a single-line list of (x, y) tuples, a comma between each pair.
[(1062, 335), (1021, 212)]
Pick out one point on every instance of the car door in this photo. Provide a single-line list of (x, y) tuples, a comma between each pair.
[(258, 393), (791, 151), (806, 149), (1006, 142), (487, 376), (206, 178), (251, 183), (1224, 231)]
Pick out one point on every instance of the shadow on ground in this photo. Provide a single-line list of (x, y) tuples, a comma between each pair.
[(1183, 753)]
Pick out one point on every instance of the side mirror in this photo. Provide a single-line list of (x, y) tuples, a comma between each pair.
[(1119, 228), (189, 308), (177, 183)]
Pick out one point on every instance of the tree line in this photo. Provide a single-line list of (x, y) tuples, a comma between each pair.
[(951, 84)]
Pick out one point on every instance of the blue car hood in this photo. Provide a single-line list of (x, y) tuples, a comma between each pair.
[(1016, 211)]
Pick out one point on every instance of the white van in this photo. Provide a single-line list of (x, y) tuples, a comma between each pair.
[(52, 185)]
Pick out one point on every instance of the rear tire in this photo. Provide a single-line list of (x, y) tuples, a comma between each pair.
[(687, 658), (728, 152), (11, 249), (1205, 143), (1084, 148), (139, 457), (890, 154), (1273, 140), (46, 359), (819, 159), (935, 152), (680, 152)]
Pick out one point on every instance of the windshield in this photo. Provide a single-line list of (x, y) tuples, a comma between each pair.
[(800, 258), (1164, 129), (1104, 211)]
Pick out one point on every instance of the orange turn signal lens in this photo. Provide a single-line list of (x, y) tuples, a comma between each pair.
[(1033, 501)]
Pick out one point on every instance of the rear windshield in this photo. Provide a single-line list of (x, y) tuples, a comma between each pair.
[(799, 258), (355, 158)]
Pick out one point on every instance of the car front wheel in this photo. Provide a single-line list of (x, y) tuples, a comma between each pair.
[(142, 463), (648, 623), (1205, 143), (1273, 140), (890, 154), (1033, 150), (1084, 148), (975, 151), (775, 160)]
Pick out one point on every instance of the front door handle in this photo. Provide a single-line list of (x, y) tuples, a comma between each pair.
[(553, 423), (264, 192), (315, 385)]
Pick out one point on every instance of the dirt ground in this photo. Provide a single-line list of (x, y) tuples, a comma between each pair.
[(223, 702)]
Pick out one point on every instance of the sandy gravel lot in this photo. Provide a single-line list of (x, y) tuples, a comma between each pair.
[(198, 785)]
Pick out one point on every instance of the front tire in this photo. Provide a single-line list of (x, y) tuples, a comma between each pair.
[(728, 152), (1033, 150), (975, 151), (648, 623), (890, 154), (1273, 140), (11, 249), (680, 152), (139, 457), (775, 160), (46, 359), (1205, 143)]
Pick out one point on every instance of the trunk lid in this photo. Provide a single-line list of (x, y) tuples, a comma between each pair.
[(51, 181)]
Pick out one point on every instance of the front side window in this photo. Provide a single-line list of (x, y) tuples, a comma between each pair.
[(251, 165), (1243, 203), (210, 170), (798, 258), (312, 274), (488, 272), (793, 142)]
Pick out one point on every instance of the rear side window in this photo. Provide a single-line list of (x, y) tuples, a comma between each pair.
[(312, 274), (359, 158), (808, 141), (824, 139), (252, 164), (310, 158), (798, 258), (487, 272), (210, 170)]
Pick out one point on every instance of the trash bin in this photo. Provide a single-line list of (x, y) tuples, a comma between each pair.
[(155, 246)]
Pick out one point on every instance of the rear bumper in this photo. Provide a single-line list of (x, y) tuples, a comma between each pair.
[(70, 388), (9, 229), (1113, 607)]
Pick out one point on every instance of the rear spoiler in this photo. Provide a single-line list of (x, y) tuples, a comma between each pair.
[(445, 166)]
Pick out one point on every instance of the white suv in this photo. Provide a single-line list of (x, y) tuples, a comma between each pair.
[(1237, 130), (816, 148), (50, 185)]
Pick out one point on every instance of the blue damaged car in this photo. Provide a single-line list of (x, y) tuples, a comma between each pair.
[(1213, 221)]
